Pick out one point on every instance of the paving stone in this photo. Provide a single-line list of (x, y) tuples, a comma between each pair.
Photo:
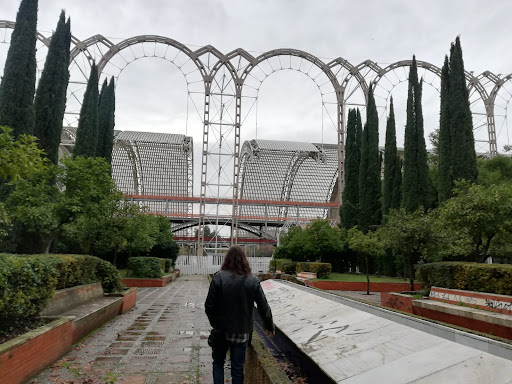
[(161, 340), (131, 380)]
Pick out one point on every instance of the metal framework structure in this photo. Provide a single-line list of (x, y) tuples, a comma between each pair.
[(223, 90), (150, 164)]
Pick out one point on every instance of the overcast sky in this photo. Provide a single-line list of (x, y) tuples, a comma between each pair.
[(152, 95)]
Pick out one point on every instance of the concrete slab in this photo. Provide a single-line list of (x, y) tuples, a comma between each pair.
[(355, 346)]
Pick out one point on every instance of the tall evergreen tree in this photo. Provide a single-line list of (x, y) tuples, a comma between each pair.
[(457, 157), (348, 211), (392, 188), (370, 211), (106, 120), (50, 101), (18, 83), (87, 132), (445, 175), (415, 178)]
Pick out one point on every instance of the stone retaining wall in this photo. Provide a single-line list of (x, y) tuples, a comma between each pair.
[(260, 366)]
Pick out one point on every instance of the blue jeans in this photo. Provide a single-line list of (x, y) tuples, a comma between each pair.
[(237, 352)]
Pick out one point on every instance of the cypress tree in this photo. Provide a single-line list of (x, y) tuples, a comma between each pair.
[(87, 132), (348, 211), (106, 122), (461, 122), (415, 178), (18, 83), (103, 112), (392, 190), (50, 101), (445, 175), (369, 170)]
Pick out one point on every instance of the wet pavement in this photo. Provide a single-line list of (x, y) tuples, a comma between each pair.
[(163, 339)]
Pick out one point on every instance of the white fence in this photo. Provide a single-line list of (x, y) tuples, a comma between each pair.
[(204, 265)]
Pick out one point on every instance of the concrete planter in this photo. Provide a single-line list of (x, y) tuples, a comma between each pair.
[(352, 286), (397, 301), (145, 283), (129, 299), (25, 356)]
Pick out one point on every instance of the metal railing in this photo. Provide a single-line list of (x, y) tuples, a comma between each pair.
[(204, 265)]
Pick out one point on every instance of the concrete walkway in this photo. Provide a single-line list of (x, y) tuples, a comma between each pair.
[(162, 340)]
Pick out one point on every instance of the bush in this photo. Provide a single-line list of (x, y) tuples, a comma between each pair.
[(322, 270), (26, 286), (167, 263), (490, 278), (284, 265), (76, 270), (148, 267), (28, 282)]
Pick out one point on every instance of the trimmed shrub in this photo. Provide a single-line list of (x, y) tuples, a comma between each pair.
[(322, 270), (76, 270), (167, 265), (284, 265), (490, 278), (148, 267), (26, 286), (28, 282)]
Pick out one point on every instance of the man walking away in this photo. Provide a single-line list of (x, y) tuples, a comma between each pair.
[(229, 307)]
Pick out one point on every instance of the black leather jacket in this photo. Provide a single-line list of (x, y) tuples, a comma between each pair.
[(230, 303)]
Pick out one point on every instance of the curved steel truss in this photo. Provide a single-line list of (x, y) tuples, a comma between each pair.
[(224, 88)]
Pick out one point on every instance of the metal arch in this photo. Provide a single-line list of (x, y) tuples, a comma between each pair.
[(83, 46), (354, 72), (326, 69), (472, 82), (11, 24), (404, 63), (133, 158), (113, 49), (293, 168)]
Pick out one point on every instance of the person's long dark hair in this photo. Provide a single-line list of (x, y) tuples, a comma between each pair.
[(236, 261)]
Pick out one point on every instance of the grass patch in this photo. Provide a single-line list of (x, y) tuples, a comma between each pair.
[(360, 278)]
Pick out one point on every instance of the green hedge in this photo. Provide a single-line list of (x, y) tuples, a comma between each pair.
[(28, 282), (148, 267), (490, 278), (167, 263), (322, 270), (284, 265)]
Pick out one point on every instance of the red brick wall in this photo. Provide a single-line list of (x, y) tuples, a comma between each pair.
[(144, 282), (19, 364), (349, 286), (466, 296), (397, 301), (129, 300), (477, 325)]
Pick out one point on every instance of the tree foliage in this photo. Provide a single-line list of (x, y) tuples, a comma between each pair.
[(41, 209), (457, 157), (18, 83), (106, 121), (87, 132), (392, 185), (50, 100), (18, 158), (482, 213), (367, 245), (370, 212), (495, 171), (415, 177), (407, 234), (349, 208), (317, 242)]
